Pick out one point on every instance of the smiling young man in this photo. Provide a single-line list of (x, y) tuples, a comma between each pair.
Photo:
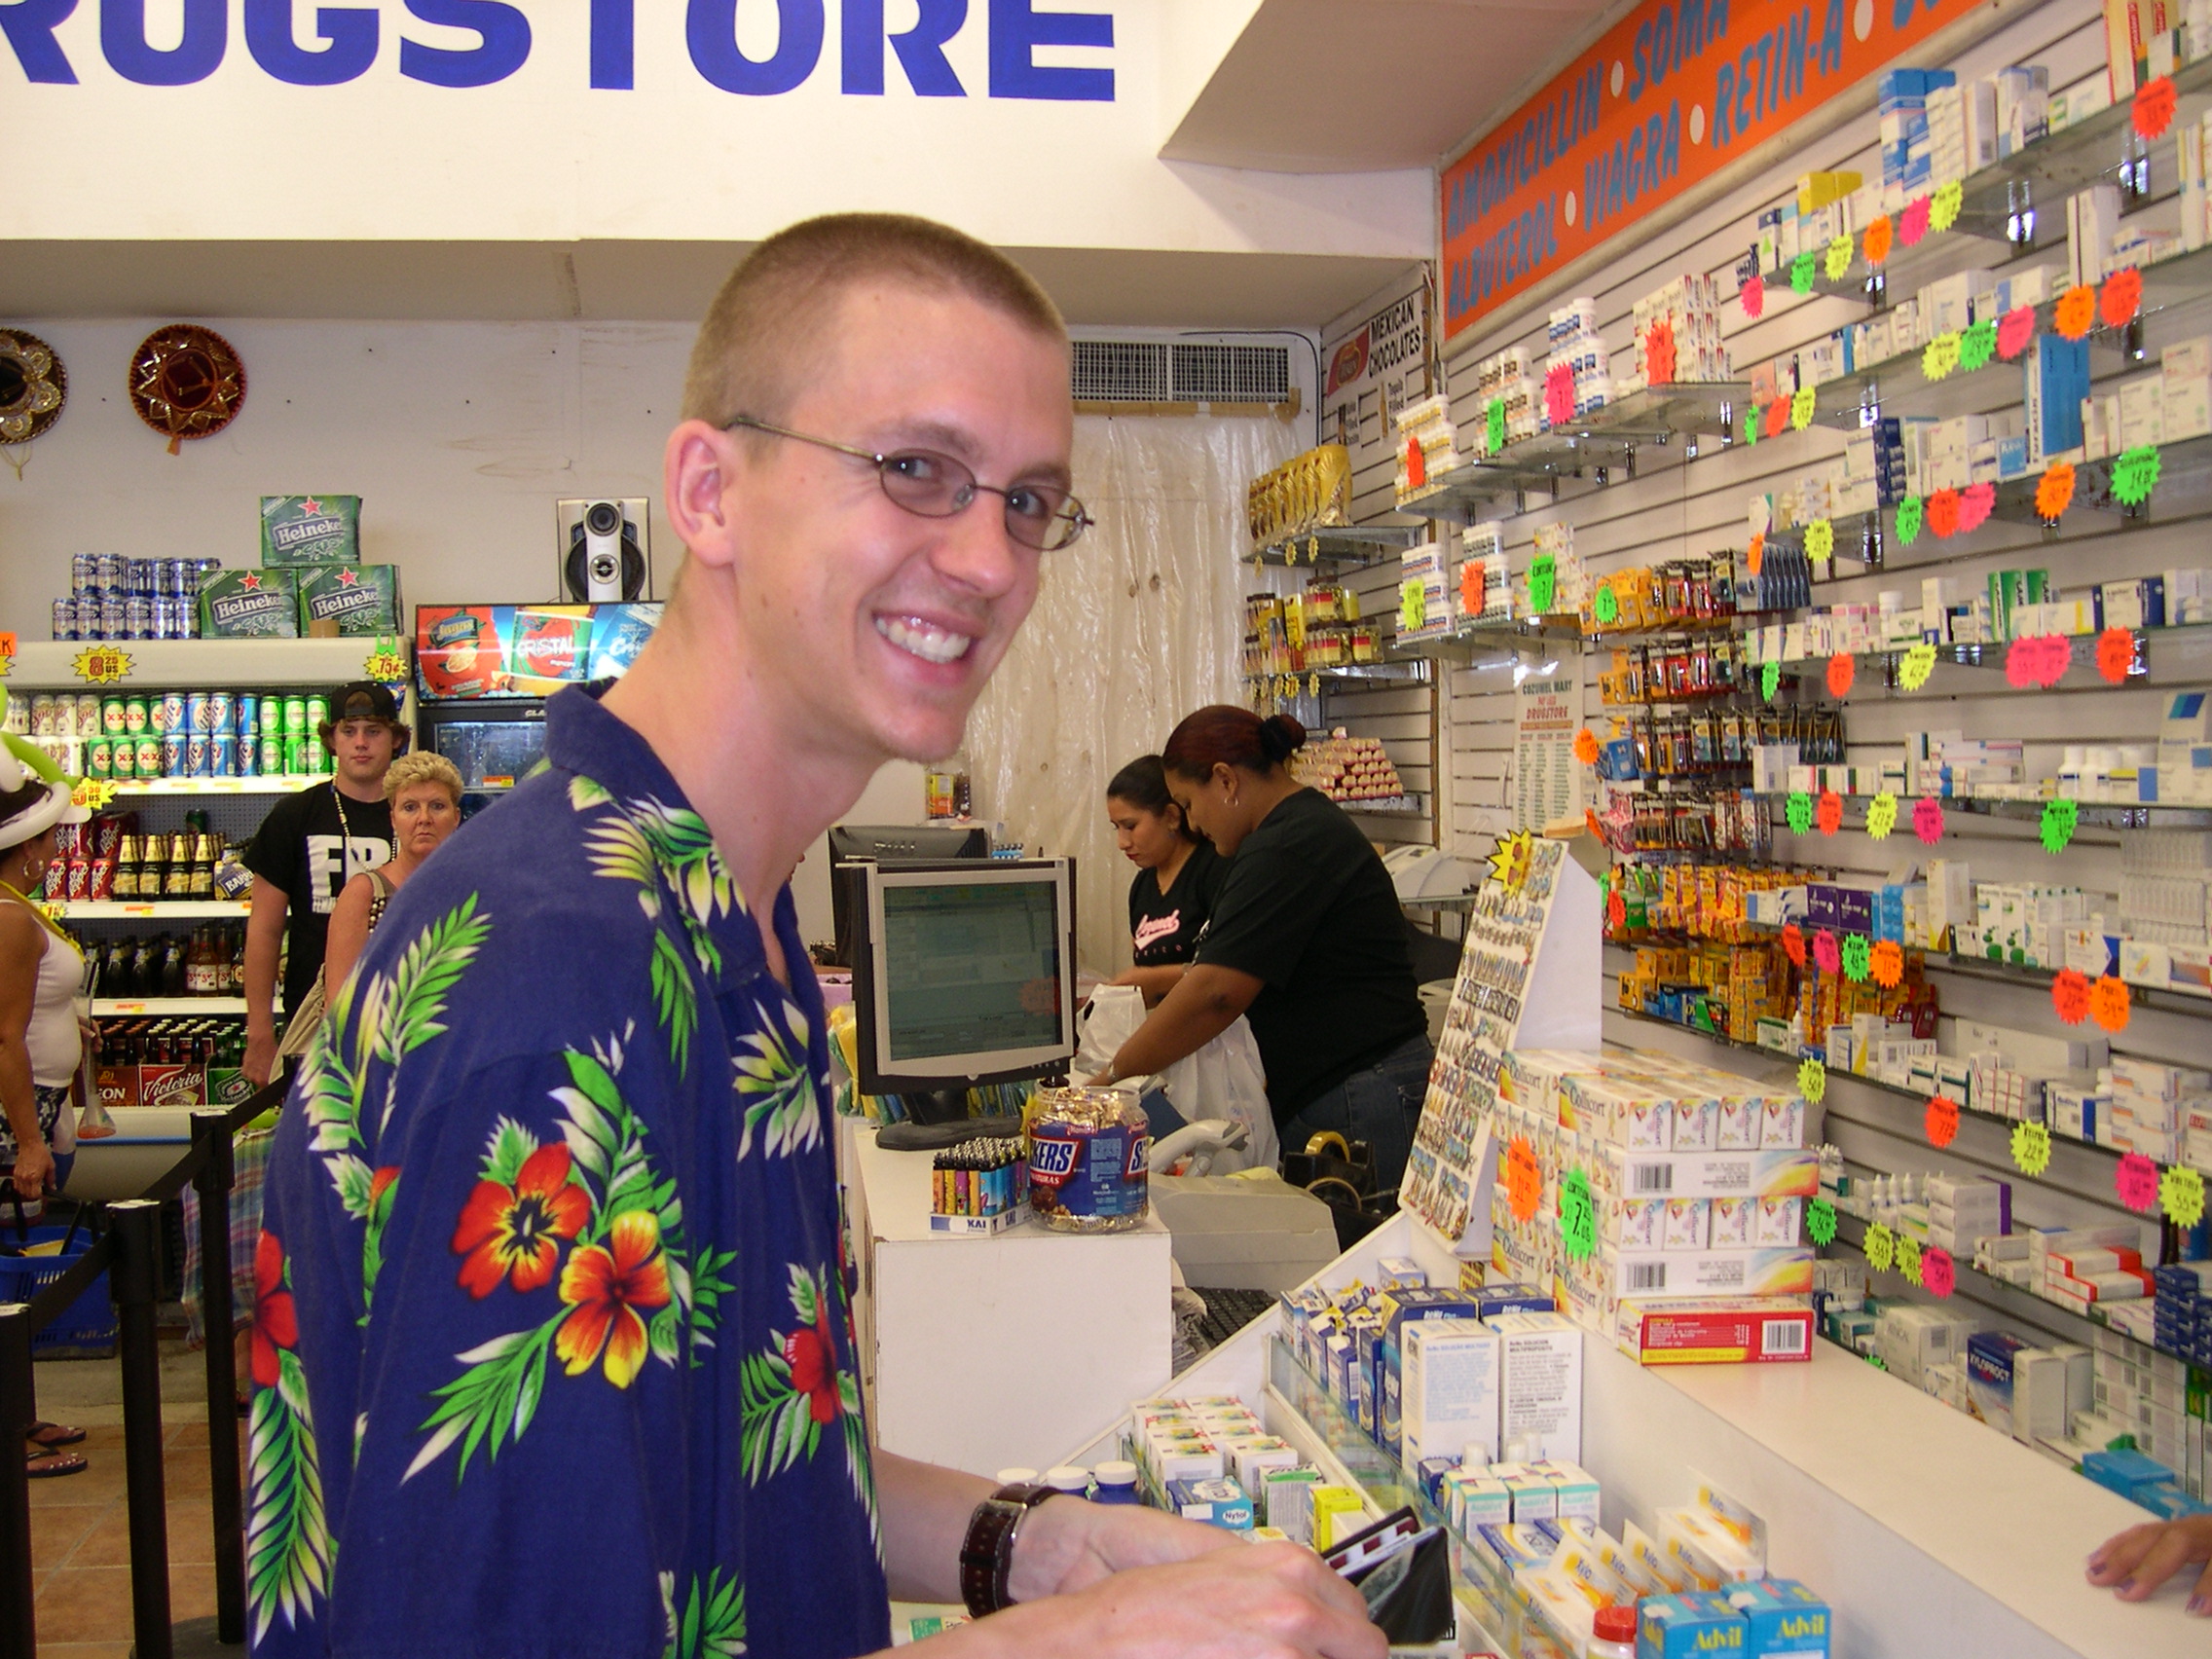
[(554, 1354), (308, 848)]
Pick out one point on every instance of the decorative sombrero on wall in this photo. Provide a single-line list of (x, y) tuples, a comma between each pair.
[(33, 386), (186, 382)]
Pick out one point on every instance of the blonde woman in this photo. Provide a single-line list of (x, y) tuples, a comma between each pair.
[(425, 793)]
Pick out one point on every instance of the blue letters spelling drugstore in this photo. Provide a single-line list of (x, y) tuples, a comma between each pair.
[(348, 42)]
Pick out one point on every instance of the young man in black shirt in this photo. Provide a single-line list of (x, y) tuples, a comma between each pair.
[(307, 848)]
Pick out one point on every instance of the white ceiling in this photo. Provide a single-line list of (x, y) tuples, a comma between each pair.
[(624, 282), (1364, 85)]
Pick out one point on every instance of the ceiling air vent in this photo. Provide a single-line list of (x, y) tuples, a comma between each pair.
[(1231, 374), (1121, 370)]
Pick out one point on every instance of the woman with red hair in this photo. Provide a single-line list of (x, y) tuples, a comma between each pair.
[(1306, 940)]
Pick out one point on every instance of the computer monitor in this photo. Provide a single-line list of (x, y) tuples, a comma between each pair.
[(963, 973), (892, 843)]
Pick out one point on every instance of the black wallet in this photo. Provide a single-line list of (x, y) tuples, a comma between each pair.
[(1403, 1571)]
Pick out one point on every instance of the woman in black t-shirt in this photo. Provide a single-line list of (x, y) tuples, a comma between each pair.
[(1307, 939), (1178, 877)]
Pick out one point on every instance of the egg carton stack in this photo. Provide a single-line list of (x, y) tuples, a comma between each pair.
[(1575, 345), (1509, 376), (1348, 768)]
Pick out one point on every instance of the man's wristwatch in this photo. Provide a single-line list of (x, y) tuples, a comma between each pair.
[(986, 1554)]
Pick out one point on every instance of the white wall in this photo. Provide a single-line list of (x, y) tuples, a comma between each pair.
[(459, 438)]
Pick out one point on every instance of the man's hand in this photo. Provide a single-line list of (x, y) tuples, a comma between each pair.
[(2139, 1559), (34, 1169), (260, 1056), (1241, 1602), (1066, 1544)]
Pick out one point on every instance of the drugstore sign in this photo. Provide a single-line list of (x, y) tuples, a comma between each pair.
[(479, 43), (1674, 92)]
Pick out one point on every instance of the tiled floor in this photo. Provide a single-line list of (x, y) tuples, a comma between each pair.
[(80, 1525)]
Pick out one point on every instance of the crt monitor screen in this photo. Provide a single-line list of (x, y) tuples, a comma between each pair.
[(966, 973)]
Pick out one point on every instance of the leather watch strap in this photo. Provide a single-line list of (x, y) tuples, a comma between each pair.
[(986, 1554)]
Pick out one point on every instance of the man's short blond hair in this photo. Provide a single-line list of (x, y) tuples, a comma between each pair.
[(421, 768), (770, 322)]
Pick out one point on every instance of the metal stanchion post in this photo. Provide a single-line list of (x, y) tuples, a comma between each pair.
[(136, 1276), (210, 1130), (18, 1631)]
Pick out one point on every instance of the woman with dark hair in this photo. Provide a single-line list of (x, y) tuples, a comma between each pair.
[(1178, 879), (1306, 940)]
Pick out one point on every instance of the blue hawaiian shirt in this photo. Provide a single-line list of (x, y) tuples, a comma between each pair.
[(552, 1350)]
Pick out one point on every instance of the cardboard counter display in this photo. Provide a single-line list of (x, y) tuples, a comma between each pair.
[(1926, 1534), (987, 1352)]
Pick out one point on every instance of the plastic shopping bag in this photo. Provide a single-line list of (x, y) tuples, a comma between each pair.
[(1222, 1079)]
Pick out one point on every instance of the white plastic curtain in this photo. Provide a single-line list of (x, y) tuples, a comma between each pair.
[(1135, 626)]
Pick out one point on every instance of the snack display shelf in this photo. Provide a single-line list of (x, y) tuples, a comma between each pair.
[(269, 783), (1399, 672), (1354, 545), (1397, 806), (2173, 998), (1490, 636), (2108, 814), (153, 1007), (2190, 640), (49, 665), (1602, 439), (2013, 1298), (1898, 1089), (150, 910), (2184, 468), (2050, 169)]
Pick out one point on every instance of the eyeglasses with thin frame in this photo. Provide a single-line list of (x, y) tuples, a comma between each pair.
[(930, 485)]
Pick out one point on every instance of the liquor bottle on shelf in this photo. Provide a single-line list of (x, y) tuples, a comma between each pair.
[(179, 882), (173, 966), (204, 855), (127, 868)]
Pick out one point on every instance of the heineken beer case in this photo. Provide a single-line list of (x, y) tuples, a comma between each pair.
[(310, 529), (237, 604), (349, 599)]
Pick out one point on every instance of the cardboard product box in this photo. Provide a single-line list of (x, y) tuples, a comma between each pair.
[(1783, 1616), (1540, 1383), (1694, 1625), (1714, 1330), (1218, 1503), (349, 599), (1448, 1389), (239, 604), (310, 529)]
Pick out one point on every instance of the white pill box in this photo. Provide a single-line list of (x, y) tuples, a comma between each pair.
[(1449, 1388), (1540, 1383)]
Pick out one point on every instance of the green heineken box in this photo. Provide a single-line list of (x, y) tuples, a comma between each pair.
[(249, 603), (347, 598), (310, 529)]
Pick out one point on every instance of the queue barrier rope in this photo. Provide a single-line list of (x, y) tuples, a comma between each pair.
[(129, 1250)]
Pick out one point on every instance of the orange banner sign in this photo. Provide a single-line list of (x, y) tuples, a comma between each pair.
[(1674, 92)]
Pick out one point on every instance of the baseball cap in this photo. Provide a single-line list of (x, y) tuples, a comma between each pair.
[(364, 700)]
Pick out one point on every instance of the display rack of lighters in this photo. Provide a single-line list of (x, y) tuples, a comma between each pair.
[(979, 1186)]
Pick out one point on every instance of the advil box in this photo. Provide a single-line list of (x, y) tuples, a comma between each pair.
[(1783, 1616), (1689, 1626), (1713, 1330)]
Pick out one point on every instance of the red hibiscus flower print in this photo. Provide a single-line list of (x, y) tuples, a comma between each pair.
[(606, 1285), (275, 1324), (516, 1231), (812, 1355)]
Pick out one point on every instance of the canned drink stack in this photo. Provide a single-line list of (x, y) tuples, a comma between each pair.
[(65, 619), (295, 719), (169, 713)]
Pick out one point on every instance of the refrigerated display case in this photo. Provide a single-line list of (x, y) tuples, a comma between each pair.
[(483, 673)]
